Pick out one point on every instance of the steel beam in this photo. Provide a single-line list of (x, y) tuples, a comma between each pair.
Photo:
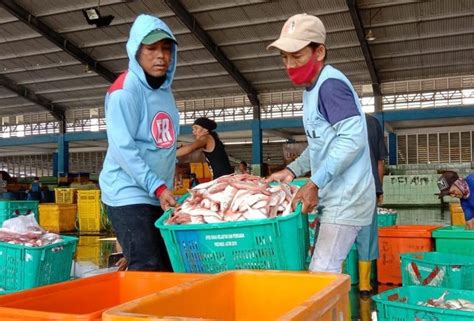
[(26, 17), (359, 28), (189, 21), (416, 114), (56, 110), (278, 133)]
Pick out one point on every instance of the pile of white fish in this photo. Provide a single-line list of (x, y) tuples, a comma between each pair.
[(30, 239), (237, 197), (453, 304), (385, 211)]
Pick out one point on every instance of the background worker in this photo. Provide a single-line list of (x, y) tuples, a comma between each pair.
[(207, 140), (34, 193), (367, 239), (243, 168), (338, 154), (463, 188)]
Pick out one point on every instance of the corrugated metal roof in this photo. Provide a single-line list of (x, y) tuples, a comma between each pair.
[(414, 40)]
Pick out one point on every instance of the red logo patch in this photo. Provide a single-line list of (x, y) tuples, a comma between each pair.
[(162, 129)]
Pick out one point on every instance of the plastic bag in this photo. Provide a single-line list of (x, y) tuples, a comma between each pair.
[(23, 224)]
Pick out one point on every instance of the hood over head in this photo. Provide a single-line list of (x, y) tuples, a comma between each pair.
[(143, 26)]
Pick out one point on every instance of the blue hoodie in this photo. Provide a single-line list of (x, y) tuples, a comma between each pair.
[(142, 128), (468, 204)]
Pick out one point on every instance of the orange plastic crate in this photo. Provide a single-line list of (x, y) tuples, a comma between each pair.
[(399, 239), (245, 296), (86, 299)]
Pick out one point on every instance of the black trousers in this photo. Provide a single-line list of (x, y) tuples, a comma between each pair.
[(141, 241)]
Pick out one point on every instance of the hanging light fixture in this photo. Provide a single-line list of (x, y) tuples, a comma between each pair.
[(93, 17), (370, 36), (87, 69)]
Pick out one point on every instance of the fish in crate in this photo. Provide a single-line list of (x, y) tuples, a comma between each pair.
[(232, 198), (452, 304)]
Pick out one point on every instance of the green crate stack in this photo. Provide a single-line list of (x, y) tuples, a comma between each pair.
[(10, 209), (455, 240)]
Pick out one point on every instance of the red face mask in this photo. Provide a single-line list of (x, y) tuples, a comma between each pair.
[(305, 73)]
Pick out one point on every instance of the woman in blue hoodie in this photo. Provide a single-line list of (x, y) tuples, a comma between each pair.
[(142, 130)]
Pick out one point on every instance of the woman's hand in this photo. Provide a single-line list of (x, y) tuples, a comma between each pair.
[(470, 224)]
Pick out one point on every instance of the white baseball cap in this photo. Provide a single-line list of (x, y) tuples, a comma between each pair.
[(298, 32)]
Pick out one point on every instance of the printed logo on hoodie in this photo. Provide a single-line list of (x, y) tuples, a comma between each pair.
[(162, 130)]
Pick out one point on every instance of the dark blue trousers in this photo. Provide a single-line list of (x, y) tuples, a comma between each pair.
[(141, 241)]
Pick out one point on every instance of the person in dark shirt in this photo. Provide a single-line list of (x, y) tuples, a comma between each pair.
[(367, 239), (208, 141)]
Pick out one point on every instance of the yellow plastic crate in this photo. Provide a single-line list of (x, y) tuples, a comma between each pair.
[(207, 171), (65, 195), (93, 249), (58, 217), (92, 195), (182, 189), (89, 211), (245, 296), (197, 169), (88, 249), (457, 214)]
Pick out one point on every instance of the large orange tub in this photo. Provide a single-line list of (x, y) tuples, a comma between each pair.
[(245, 296), (86, 299), (399, 239)]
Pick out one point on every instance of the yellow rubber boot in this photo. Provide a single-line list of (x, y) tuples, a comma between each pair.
[(365, 309), (364, 276)]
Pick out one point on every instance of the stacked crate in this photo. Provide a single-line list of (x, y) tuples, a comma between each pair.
[(89, 211), (10, 209)]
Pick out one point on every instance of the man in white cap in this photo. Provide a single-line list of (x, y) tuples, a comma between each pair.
[(338, 151)]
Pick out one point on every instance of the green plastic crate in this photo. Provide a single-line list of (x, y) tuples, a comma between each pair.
[(438, 269), (455, 240), (386, 219), (279, 243), (400, 304), (23, 267), (351, 265), (10, 209)]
